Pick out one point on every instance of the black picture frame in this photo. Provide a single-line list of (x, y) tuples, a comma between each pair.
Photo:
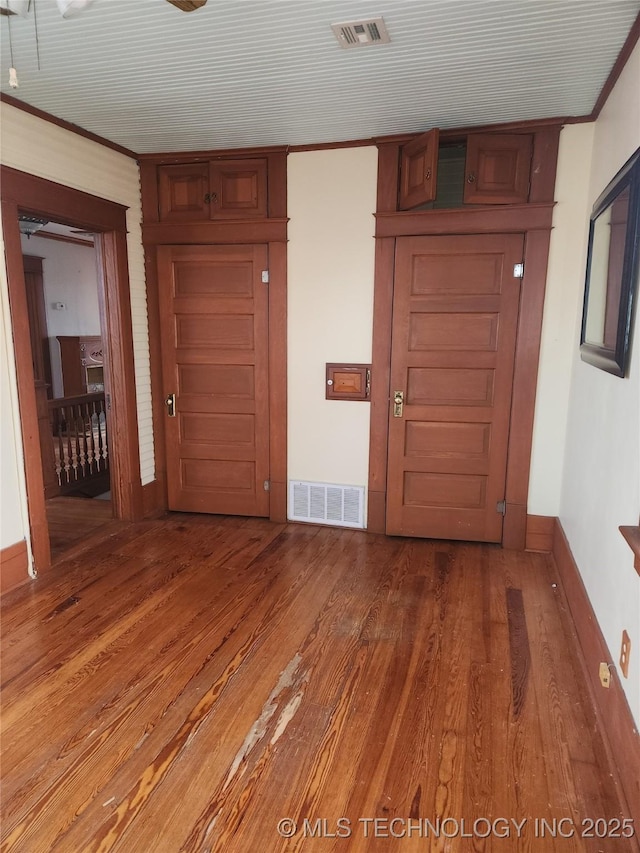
[(612, 272)]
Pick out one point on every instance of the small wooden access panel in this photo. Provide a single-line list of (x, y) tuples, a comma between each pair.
[(348, 381)]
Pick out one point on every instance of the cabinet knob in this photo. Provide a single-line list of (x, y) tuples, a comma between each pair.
[(427, 175), (471, 177)]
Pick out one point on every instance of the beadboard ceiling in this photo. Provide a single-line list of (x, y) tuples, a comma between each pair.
[(237, 73)]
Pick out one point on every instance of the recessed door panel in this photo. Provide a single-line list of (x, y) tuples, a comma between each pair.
[(215, 361), (455, 314)]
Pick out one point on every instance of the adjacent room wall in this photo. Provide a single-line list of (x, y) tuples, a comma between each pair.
[(48, 151), (69, 277), (601, 477), (331, 201)]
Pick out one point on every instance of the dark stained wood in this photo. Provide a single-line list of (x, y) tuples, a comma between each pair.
[(543, 164), (119, 372), (539, 535), (26, 385), (63, 204), (616, 71), (380, 377), (155, 360), (67, 125), (182, 190), (418, 171), (51, 485), (232, 231), (277, 184), (211, 154), (21, 191), (455, 315), (238, 188), (535, 221), (473, 220), (149, 190), (215, 361), (73, 379), (519, 649), (34, 284), (632, 537), (388, 176), (497, 168), (199, 679), (14, 564), (612, 710), (278, 380), (72, 520)]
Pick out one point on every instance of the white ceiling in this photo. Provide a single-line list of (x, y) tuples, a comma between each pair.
[(261, 72)]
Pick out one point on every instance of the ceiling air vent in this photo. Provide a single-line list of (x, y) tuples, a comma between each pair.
[(361, 33)]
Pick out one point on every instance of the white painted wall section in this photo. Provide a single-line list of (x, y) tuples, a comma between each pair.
[(331, 202), (562, 308), (601, 478)]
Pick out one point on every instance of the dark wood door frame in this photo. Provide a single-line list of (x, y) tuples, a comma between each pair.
[(532, 220), (271, 231), (22, 192)]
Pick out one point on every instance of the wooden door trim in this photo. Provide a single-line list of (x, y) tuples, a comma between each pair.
[(39, 196), (534, 221)]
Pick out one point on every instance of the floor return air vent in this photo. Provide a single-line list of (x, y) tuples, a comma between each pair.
[(326, 503)]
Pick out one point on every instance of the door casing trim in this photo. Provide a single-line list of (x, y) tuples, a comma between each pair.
[(39, 196), (534, 221)]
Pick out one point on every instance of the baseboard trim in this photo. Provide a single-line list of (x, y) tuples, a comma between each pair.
[(152, 501), (14, 566), (612, 709), (539, 536)]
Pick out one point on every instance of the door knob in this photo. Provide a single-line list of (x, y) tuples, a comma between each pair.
[(398, 402), (170, 403)]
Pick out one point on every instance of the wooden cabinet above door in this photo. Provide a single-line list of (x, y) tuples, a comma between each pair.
[(218, 189), (419, 170), (489, 168), (498, 168)]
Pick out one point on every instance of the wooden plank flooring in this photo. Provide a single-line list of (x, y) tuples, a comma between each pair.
[(72, 520), (204, 678)]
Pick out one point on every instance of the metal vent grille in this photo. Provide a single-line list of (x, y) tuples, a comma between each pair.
[(326, 503), (361, 33)]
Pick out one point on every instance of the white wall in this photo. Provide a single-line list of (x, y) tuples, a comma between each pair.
[(601, 477), (48, 151), (562, 306), (69, 276), (331, 201)]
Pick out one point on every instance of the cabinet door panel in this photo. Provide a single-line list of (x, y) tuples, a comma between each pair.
[(498, 167), (418, 170), (183, 192), (238, 189)]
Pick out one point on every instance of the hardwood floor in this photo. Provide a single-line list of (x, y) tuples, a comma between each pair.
[(205, 678), (71, 520)]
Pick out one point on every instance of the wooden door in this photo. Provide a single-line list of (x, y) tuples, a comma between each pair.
[(498, 168), (419, 170), (455, 313), (214, 325), (238, 189), (183, 192)]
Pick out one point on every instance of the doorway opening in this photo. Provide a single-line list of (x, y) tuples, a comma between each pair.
[(25, 195), (68, 356)]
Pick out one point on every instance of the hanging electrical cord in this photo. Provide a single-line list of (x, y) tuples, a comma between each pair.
[(13, 74), (35, 27)]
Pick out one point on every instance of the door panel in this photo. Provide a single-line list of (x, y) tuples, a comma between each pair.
[(214, 321), (455, 313), (419, 170), (498, 167)]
